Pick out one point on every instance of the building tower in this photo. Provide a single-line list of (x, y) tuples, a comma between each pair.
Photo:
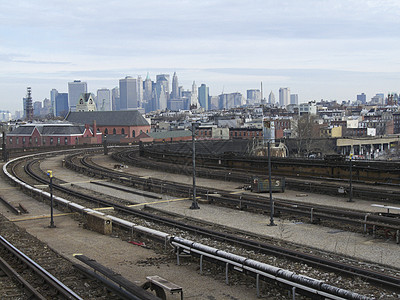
[(271, 98), (103, 102), (204, 96), (128, 93), (175, 87), (140, 91), (28, 105), (53, 95), (284, 96), (194, 101), (75, 90)]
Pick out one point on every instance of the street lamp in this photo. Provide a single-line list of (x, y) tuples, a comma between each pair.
[(50, 174), (267, 126), (194, 205), (271, 202), (351, 179)]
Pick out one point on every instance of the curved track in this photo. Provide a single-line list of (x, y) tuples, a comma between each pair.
[(95, 170)]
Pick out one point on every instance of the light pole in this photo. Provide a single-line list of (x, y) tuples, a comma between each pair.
[(271, 202), (50, 174), (351, 179), (194, 205)]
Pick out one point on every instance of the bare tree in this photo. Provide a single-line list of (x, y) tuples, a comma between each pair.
[(305, 131)]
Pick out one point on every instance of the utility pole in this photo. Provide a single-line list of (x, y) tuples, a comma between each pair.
[(271, 202), (50, 174), (194, 205), (351, 179)]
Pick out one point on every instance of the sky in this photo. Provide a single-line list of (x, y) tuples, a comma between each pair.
[(320, 49)]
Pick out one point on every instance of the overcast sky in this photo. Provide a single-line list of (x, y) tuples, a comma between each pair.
[(320, 49)]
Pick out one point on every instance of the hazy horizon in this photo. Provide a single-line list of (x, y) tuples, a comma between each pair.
[(331, 50)]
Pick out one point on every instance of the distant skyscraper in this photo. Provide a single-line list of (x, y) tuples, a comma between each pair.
[(164, 78), (284, 96), (161, 97), (204, 97), (28, 105), (53, 94), (362, 98), (271, 98), (253, 96), (140, 91), (75, 89), (175, 87), (294, 99), (128, 93), (62, 104), (194, 101), (147, 94), (115, 98), (37, 107), (103, 102)]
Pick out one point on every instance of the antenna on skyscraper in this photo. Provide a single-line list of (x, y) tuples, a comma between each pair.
[(261, 92)]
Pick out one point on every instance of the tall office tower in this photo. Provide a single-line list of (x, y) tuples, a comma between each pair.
[(203, 97), (294, 99), (160, 95), (148, 89), (37, 108), (115, 104), (237, 99), (284, 96), (271, 98), (362, 98), (175, 87), (75, 89), (253, 96), (164, 78), (140, 91), (47, 108), (62, 104), (53, 94), (103, 102), (128, 93), (148, 94), (28, 105), (194, 101)]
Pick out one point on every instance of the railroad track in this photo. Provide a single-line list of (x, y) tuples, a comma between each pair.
[(375, 277), (294, 171), (37, 282), (298, 283), (367, 223)]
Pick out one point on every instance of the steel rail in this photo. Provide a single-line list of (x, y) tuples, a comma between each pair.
[(50, 279), (315, 211), (380, 278), (308, 285)]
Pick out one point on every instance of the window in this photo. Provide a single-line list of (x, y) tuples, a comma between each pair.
[(51, 141), (30, 140), (147, 131), (44, 141), (81, 101), (66, 141), (114, 131), (122, 131), (36, 140), (133, 133), (10, 140), (23, 140), (58, 141), (106, 131), (17, 140)]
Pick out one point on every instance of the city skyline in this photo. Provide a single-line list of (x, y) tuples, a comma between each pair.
[(331, 50)]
